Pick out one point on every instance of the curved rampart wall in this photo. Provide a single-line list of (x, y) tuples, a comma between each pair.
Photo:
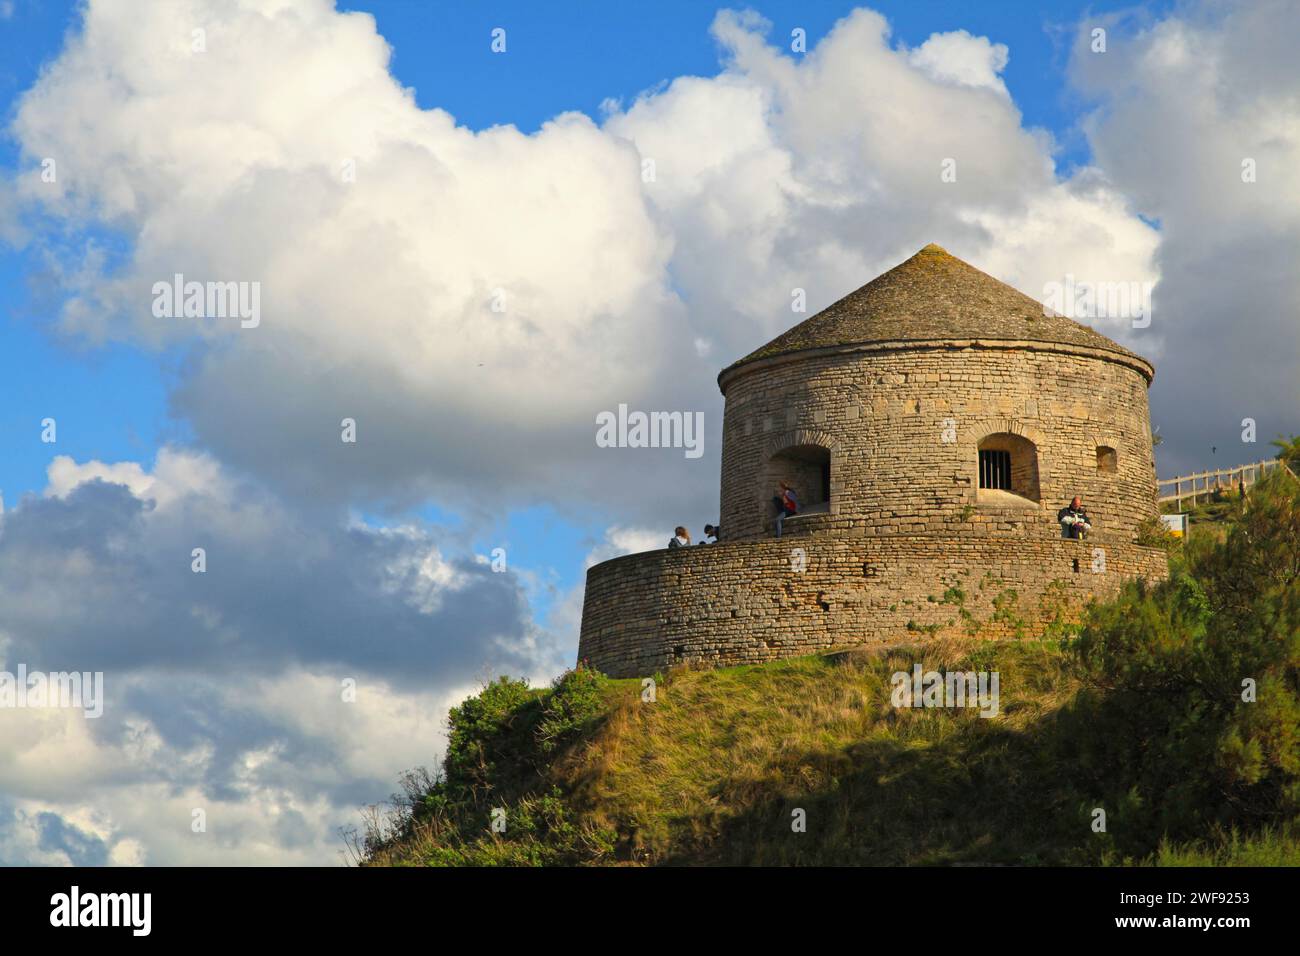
[(746, 601)]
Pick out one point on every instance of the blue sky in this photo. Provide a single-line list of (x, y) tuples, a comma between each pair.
[(568, 59)]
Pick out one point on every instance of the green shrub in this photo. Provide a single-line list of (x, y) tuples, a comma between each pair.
[(1163, 711), (540, 830), (577, 698), (1152, 533), (494, 728)]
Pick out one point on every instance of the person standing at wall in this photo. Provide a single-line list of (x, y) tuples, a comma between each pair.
[(787, 504), (1074, 520)]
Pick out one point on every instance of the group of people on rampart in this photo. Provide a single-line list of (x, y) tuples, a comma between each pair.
[(1073, 518), (682, 538)]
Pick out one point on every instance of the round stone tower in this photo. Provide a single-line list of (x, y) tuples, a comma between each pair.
[(932, 424)]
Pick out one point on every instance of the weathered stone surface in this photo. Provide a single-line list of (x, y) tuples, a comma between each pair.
[(902, 423), (743, 602)]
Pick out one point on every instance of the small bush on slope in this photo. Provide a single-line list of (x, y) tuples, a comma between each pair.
[(498, 745)]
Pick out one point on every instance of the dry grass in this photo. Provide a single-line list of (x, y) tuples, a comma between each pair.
[(723, 748)]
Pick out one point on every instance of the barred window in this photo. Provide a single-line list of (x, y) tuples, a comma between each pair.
[(1008, 463), (995, 469)]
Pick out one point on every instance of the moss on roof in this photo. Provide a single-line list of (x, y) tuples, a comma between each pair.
[(933, 296)]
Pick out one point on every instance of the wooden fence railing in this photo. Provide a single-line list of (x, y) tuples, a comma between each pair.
[(1203, 484)]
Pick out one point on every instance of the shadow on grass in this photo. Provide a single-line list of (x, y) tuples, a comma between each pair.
[(918, 792)]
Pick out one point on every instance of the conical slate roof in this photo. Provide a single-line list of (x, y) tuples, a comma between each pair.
[(934, 296)]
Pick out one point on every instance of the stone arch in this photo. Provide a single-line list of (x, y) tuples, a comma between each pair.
[(1014, 450), (983, 427), (808, 458), (799, 436)]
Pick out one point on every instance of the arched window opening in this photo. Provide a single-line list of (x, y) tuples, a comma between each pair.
[(1107, 460), (1008, 465), (807, 469)]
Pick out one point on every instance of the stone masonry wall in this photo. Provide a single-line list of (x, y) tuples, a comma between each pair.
[(882, 413), (746, 602)]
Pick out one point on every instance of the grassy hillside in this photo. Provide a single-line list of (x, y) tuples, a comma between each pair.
[(1141, 714)]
